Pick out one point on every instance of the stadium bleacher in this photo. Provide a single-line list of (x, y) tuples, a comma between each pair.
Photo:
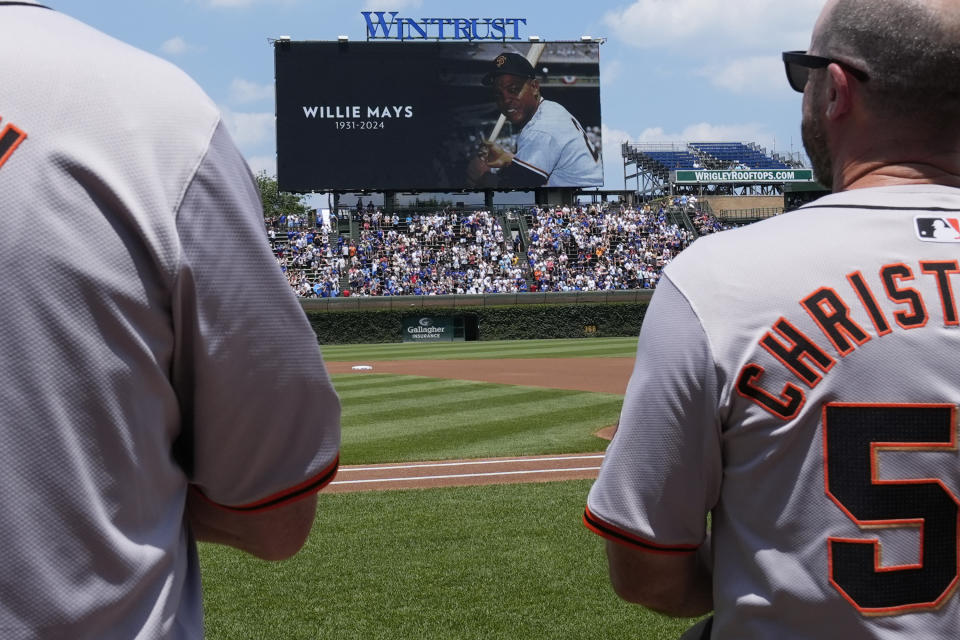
[(661, 158), (671, 160), (737, 153), (586, 248)]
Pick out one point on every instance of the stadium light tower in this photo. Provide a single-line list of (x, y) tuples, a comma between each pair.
[(534, 38), (343, 38), (586, 38)]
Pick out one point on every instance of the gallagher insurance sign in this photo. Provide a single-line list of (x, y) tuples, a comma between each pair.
[(427, 329)]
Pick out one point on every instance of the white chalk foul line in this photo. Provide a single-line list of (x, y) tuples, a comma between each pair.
[(464, 463), (464, 475)]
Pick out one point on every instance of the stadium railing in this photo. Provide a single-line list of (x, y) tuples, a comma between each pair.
[(748, 215)]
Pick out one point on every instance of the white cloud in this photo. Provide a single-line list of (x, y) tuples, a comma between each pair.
[(707, 132), (612, 160), (756, 74), (702, 131), (701, 26), (391, 5), (246, 91), (175, 46), (249, 129), (614, 137), (610, 71)]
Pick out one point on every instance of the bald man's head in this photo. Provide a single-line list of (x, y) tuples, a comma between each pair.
[(909, 48)]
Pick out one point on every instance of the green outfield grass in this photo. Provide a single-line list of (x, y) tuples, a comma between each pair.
[(496, 562), (561, 348), (392, 418)]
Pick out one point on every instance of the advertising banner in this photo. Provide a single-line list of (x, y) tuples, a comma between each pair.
[(444, 115), (427, 329), (741, 176)]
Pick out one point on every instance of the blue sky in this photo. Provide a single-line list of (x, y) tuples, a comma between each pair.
[(671, 70)]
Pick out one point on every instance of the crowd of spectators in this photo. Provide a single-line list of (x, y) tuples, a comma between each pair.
[(706, 223), (312, 266), (601, 248), (435, 254), (585, 248)]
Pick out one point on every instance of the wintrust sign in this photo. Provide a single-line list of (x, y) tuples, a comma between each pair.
[(389, 25)]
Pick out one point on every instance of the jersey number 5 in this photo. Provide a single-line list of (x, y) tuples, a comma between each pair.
[(853, 436)]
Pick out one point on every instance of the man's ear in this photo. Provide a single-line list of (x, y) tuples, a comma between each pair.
[(839, 100)]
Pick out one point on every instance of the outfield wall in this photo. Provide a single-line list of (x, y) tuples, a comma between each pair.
[(492, 317)]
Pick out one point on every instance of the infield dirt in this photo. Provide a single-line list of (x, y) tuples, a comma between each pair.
[(602, 375)]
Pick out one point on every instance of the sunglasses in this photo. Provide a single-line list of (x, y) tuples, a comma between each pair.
[(799, 63)]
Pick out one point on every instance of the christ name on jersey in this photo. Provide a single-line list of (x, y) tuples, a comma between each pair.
[(809, 361)]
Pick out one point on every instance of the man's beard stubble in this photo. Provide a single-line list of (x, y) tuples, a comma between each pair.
[(818, 150)]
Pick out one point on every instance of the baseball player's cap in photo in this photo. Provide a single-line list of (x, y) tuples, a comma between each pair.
[(512, 64)]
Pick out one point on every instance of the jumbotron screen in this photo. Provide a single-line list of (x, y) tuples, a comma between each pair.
[(406, 116)]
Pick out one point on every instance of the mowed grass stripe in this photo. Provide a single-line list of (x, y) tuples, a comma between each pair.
[(363, 380), (446, 394), (501, 350), (560, 431), (566, 348), (475, 420), (455, 410), (404, 386), (507, 352)]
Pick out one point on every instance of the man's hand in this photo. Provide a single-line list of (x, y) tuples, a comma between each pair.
[(676, 585), (497, 156), (476, 170), (275, 534)]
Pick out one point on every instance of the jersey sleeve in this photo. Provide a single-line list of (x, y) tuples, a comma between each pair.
[(261, 420), (517, 174), (661, 473), (538, 151)]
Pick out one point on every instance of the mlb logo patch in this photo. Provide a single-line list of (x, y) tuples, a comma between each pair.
[(938, 229)]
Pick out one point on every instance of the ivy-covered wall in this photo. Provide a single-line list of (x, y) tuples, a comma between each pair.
[(519, 322)]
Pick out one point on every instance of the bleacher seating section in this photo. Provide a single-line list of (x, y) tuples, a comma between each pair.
[(656, 159), (549, 249), (732, 153), (671, 160)]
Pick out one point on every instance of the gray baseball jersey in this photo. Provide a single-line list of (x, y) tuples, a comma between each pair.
[(554, 145), (148, 338), (799, 379)]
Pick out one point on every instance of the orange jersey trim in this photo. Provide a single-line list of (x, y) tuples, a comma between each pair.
[(611, 532), (281, 498), (531, 167), (10, 138)]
